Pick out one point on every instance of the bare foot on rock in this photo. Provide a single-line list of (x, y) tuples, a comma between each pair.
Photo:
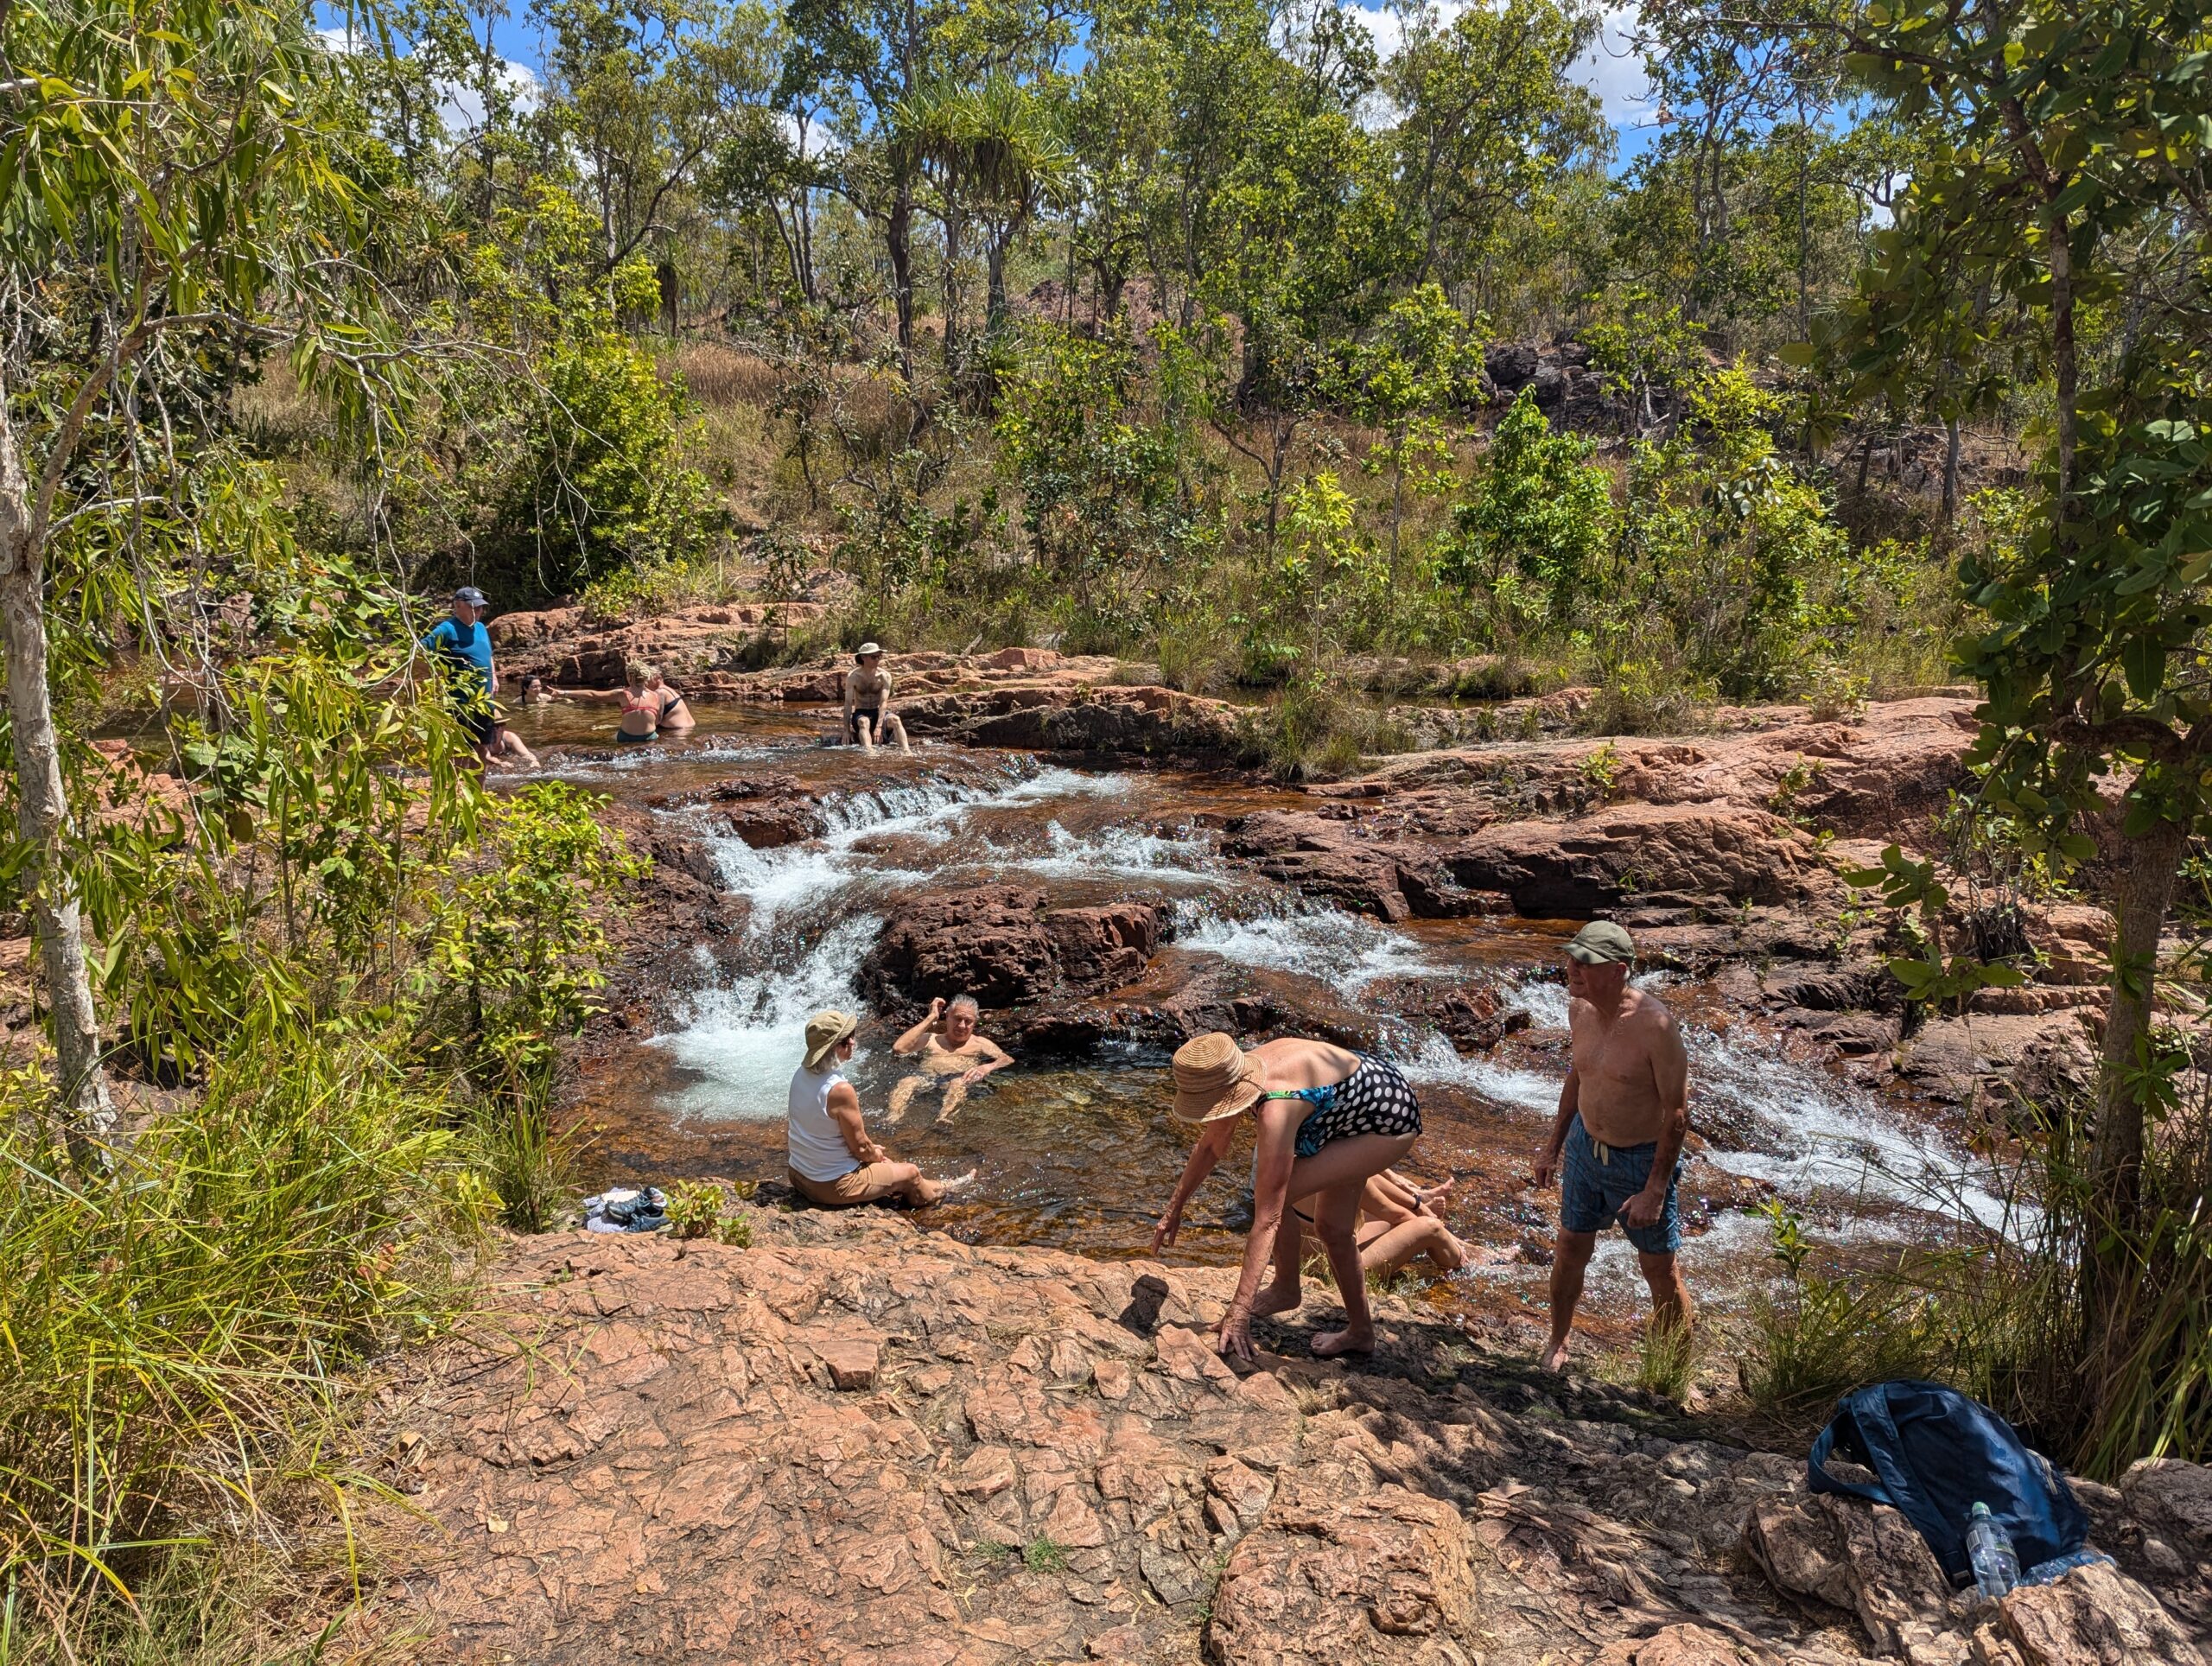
[(1332, 1345), (1275, 1300), (1554, 1357)]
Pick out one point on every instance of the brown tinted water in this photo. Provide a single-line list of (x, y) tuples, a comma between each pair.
[(1081, 1156)]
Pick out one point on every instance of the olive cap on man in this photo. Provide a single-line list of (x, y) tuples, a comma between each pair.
[(1602, 943)]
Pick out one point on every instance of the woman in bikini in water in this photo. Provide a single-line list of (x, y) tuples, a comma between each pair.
[(1327, 1120), (642, 707), (675, 715)]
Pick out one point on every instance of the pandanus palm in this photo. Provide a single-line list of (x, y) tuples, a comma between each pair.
[(929, 135), (1016, 163)]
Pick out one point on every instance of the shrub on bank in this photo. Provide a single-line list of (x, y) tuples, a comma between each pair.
[(171, 1321)]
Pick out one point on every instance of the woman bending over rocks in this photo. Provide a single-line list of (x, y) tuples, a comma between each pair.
[(1328, 1121)]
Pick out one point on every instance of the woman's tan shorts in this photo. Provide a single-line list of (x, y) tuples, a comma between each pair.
[(867, 1185)]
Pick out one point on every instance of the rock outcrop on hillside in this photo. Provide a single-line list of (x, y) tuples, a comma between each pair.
[(854, 1442)]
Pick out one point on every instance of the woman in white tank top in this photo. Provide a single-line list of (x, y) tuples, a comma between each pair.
[(833, 1161), (815, 1144)]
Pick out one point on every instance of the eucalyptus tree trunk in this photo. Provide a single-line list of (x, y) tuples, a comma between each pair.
[(42, 809), (2143, 892)]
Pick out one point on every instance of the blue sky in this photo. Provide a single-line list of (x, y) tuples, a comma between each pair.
[(1610, 69)]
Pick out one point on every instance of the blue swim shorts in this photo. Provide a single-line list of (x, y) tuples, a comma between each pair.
[(1592, 1195)]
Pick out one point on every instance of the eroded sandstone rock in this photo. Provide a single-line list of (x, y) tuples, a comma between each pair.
[(1330, 1577), (1573, 869), (1001, 944), (857, 1442)]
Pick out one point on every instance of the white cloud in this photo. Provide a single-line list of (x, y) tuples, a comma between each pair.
[(460, 108), (1612, 68)]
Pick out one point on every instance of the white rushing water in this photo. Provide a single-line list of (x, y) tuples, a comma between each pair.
[(1816, 1136), (781, 881), (1348, 951), (1117, 852), (746, 1037)]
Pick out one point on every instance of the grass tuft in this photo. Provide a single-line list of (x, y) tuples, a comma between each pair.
[(1666, 1360), (172, 1322)]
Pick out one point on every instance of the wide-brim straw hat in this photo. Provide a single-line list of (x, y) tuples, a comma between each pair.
[(1214, 1078), (823, 1032)]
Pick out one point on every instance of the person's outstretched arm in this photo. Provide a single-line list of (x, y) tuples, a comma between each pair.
[(585, 694), (1212, 1145), (995, 1057)]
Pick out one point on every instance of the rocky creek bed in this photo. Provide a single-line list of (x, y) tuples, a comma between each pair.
[(994, 1432), (1104, 904)]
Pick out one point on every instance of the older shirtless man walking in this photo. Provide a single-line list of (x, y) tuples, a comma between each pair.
[(1623, 1116)]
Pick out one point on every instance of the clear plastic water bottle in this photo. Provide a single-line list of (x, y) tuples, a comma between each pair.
[(1996, 1564)]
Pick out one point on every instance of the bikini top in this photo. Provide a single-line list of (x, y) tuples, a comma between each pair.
[(639, 702)]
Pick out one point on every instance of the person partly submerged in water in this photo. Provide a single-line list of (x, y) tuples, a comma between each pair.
[(868, 718), (946, 1044), (643, 708), (1328, 1120)]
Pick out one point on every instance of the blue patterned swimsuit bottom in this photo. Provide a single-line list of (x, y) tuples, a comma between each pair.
[(1374, 1099)]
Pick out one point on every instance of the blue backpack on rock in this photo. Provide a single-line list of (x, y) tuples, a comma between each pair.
[(1935, 1454)]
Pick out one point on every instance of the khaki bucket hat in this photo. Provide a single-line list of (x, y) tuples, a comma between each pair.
[(823, 1032), (1214, 1078), (866, 649)]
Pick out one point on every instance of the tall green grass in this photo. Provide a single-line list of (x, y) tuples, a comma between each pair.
[(2004, 1314), (172, 1322)]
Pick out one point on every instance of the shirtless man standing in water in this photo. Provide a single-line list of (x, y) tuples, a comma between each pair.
[(1618, 1140)]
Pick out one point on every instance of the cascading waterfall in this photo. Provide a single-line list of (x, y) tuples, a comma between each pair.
[(816, 907)]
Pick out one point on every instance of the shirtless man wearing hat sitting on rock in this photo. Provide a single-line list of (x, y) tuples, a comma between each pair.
[(868, 716), (832, 1160), (1615, 1146)]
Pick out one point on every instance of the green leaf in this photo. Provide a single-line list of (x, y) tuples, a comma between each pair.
[(2144, 660)]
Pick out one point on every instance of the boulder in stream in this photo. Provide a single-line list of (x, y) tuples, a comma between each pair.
[(1001, 944)]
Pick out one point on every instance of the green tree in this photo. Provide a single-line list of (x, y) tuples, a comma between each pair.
[(1491, 122), (2061, 207), (173, 174), (1540, 515), (1423, 364), (1105, 496)]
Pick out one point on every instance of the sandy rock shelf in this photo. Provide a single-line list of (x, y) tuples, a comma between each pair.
[(856, 1442)]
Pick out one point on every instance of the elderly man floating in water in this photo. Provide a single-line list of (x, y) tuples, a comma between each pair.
[(949, 1047), (1615, 1148)]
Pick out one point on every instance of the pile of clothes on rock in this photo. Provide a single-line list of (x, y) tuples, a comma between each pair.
[(626, 1209)]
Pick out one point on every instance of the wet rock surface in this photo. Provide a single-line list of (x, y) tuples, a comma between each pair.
[(1001, 944), (857, 1442)]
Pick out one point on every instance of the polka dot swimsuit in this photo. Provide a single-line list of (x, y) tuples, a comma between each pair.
[(1374, 1099)]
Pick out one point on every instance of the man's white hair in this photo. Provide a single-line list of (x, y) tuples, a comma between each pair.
[(967, 1001)]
